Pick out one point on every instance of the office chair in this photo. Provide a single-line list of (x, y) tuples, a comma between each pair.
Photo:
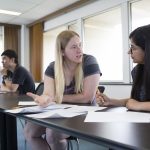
[(70, 144), (39, 91)]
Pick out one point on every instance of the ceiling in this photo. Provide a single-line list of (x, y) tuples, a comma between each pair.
[(31, 10)]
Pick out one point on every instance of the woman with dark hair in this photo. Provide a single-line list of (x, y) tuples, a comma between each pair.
[(140, 93)]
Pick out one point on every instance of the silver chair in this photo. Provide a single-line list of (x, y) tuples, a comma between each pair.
[(70, 140)]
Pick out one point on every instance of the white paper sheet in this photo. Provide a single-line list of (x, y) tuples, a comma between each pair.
[(84, 109), (117, 117), (34, 109), (66, 113), (3, 92), (61, 113), (27, 103)]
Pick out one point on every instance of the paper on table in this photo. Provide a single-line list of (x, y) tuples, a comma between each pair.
[(27, 103), (3, 92), (117, 117), (84, 109), (34, 109), (66, 113), (61, 113)]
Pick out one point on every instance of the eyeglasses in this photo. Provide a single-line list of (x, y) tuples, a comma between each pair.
[(133, 48)]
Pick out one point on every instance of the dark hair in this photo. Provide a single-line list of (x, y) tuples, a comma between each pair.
[(11, 54), (141, 37)]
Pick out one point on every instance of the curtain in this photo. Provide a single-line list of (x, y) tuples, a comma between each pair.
[(12, 37), (36, 51)]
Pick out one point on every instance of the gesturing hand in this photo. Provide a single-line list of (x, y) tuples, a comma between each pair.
[(42, 100)]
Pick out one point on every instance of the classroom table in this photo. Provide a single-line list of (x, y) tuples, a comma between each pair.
[(113, 135), (8, 124)]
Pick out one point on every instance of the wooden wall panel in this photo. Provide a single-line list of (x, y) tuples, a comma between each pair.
[(12, 38), (36, 51)]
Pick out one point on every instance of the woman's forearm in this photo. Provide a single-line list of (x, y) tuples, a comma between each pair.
[(78, 98), (118, 102)]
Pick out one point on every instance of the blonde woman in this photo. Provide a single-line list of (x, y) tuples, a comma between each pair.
[(72, 78)]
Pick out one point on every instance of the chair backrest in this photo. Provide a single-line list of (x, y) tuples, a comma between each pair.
[(101, 88), (39, 89)]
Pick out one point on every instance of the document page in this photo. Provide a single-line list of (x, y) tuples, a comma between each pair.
[(3, 92), (84, 109), (27, 103), (117, 117), (66, 112), (59, 113), (34, 109), (55, 110)]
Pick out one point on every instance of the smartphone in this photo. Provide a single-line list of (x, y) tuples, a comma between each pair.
[(101, 88)]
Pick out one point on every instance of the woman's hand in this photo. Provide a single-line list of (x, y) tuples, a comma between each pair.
[(43, 100), (102, 99), (133, 105)]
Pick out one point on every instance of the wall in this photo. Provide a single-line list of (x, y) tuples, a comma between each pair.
[(111, 90), (117, 91), (85, 11), (25, 47)]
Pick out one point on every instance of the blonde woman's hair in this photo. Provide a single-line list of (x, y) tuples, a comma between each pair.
[(62, 40)]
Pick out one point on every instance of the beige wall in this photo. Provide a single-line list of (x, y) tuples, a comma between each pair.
[(117, 91)]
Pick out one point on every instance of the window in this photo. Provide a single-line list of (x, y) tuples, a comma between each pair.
[(1, 47), (104, 28), (103, 39), (1, 41), (49, 46), (140, 15), (49, 43), (73, 27)]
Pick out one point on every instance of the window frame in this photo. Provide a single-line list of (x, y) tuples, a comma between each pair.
[(97, 8)]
